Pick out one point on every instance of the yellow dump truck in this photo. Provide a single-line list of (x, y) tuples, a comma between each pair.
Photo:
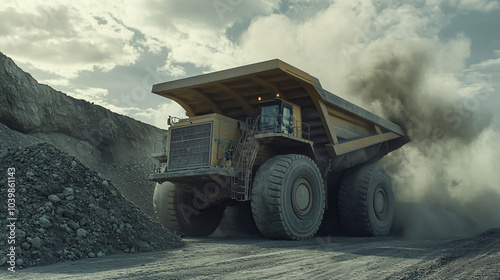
[(267, 135)]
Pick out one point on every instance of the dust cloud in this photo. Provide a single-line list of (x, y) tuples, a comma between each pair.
[(447, 180)]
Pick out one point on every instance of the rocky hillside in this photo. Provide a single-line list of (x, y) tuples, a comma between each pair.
[(115, 146)]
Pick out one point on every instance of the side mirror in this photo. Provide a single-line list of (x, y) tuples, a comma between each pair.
[(169, 120)]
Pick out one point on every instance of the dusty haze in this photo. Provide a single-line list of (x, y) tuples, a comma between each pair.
[(391, 57), (446, 180)]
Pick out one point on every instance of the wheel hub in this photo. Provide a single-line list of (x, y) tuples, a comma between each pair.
[(301, 197), (379, 202)]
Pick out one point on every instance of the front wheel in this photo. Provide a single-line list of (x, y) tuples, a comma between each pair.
[(366, 201), (184, 213), (288, 197)]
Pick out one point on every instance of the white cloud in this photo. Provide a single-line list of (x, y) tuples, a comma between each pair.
[(64, 40), (90, 94), (490, 63), (476, 5), (156, 16), (55, 82), (204, 49), (173, 70), (98, 96), (158, 116), (194, 31), (127, 111)]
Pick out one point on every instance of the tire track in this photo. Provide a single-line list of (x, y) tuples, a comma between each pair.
[(318, 258)]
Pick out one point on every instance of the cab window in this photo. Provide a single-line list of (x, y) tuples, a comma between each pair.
[(269, 115)]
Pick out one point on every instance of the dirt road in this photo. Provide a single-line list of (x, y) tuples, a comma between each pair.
[(318, 258)]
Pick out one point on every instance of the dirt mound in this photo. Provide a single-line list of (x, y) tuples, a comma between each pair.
[(65, 211), (132, 179), (12, 139)]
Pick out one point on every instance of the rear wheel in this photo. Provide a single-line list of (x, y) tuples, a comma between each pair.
[(184, 213), (366, 201), (288, 198)]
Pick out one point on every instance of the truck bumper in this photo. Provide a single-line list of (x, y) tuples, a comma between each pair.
[(194, 176)]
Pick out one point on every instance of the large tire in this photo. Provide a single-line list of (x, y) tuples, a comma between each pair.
[(182, 212), (366, 202), (288, 198)]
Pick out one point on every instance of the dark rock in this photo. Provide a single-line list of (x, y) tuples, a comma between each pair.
[(36, 242), (44, 222), (95, 221), (68, 192), (81, 232), (54, 198)]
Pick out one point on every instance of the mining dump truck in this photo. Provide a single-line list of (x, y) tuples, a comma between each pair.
[(267, 135)]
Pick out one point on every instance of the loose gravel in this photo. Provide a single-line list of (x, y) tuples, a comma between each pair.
[(65, 211)]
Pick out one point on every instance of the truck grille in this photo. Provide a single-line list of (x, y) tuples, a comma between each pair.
[(190, 147)]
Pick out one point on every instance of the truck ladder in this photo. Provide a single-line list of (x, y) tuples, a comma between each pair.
[(245, 154)]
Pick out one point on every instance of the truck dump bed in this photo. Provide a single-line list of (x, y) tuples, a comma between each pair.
[(338, 128)]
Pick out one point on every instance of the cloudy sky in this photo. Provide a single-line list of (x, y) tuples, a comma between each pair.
[(112, 52)]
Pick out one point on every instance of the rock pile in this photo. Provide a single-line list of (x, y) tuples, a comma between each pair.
[(129, 177), (66, 211)]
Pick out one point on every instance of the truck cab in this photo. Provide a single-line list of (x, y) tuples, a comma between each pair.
[(280, 116)]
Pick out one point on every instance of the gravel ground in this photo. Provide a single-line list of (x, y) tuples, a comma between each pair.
[(327, 257), (65, 211)]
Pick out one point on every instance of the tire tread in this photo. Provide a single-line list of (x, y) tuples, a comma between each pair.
[(353, 200), (271, 223)]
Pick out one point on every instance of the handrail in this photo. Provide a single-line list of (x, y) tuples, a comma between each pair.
[(257, 126), (242, 142)]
